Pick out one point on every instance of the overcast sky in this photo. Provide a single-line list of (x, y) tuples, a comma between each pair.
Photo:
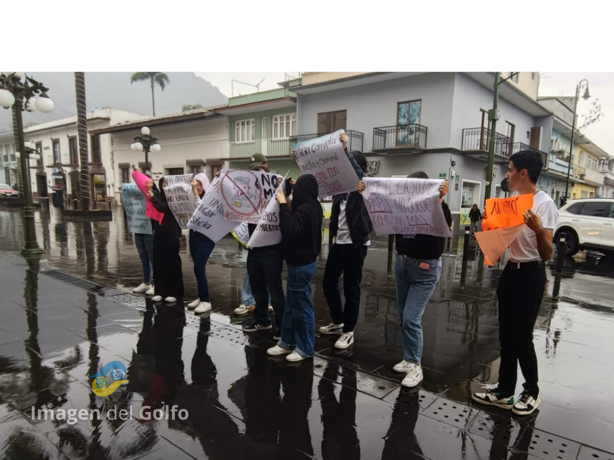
[(551, 84)]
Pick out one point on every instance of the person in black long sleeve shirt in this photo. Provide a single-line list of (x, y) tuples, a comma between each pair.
[(166, 259), (301, 230), (417, 271)]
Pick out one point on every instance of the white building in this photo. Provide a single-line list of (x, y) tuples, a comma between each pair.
[(8, 160)]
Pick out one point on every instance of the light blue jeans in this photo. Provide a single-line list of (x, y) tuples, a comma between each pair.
[(415, 286)]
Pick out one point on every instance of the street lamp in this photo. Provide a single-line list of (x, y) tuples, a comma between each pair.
[(21, 92), (573, 130), (146, 143)]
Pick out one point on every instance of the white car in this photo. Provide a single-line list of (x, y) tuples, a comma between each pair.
[(586, 224)]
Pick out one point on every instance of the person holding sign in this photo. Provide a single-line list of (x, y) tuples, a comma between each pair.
[(301, 229), (201, 248), (417, 270), (521, 289), (167, 262)]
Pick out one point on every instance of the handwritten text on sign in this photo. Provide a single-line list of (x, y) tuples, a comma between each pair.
[(506, 212), (245, 194), (241, 233), (325, 159), (180, 197), (135, 204), (405, 206), (267, 233), (208, 218)]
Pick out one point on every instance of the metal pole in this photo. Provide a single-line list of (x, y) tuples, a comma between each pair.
[(573, 129), (30, 245), (492, 117), (146, 160)]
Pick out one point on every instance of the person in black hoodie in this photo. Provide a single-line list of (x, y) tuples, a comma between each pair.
[(167, 262), (301, 230), (350, 227), (417, 271)]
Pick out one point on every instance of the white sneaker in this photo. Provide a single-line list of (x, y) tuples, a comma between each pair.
[(194, 303), (332, 329), (278, 351), (157, 298), (414, 376), (151, 291), (141, 288), (271, 309), (345, 341), (402, 367), (526, 404), (294, 357), (203, 307), (170, 300), (244, 309)]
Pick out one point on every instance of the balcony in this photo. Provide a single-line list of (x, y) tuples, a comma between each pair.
[(579, 173), (268, 147), (591, 177), (355, 142), (509, 149), (478, 140), (400, 138)]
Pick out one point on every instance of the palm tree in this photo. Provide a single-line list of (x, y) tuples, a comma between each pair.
[(84, 176), (154, 77), (188, 107)]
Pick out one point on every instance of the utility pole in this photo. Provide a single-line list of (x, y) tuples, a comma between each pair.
[(493, 116)]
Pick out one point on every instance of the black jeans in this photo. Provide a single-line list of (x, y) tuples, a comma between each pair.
[(349, 260), (520, 294), (264, 267)]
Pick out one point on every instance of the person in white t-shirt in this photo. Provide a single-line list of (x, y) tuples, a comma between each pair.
[(521, 289)]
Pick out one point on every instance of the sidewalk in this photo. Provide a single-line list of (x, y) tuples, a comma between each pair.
[(57, 330)]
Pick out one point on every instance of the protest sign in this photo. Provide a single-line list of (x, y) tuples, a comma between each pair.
[(494, 243), (241, 234), (245, 194), (180, 197), (135, 204), (140, 180), (208, 218), (506, 212), (325, 159), (267, 233), (405, 206)]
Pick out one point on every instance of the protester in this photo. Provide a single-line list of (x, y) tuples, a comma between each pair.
[(475, 215), (521, 290), (301, 229), (417, 271), (349, 237), (167, 262), (201, 248), (259, 160), (249, 303)]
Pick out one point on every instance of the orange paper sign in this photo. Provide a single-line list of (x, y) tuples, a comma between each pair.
[(506, 212), (494, 244)]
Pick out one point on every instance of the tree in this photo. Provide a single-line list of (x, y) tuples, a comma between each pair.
[(592, 116), (188, 107), (159, 78), (84, 176)]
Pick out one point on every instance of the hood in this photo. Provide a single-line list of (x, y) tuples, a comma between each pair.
[(161, 189), (202, 177), (304, 191)]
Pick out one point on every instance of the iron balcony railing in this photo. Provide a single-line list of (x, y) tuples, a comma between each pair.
[(356, 139), (400, 137), (478, 139)]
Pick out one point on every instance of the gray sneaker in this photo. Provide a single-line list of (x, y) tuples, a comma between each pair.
[(526, 404)]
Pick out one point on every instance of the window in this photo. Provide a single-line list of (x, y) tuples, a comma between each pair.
[(470, 194), (514, 76), (596, 209), (96, 155), (11, 150), (125, 175), (244, 130), (196, 169), (284, 126), (39, 150), (575, 208), (57, 155), (4, 149), (329, 122), (175, 171), (408, 115), (74, 150), (532, 75)]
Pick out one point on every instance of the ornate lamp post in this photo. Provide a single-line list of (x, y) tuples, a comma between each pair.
[(24, 93), (147, 143)]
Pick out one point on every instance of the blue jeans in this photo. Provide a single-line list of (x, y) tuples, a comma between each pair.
[(246, 293), (415, 286), (144, 244), (201, 248), (298, 330)]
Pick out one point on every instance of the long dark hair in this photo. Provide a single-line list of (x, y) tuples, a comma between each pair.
[(161, 190)]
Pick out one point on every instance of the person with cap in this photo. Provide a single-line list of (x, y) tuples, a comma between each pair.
[(201, 248), (258, 159)]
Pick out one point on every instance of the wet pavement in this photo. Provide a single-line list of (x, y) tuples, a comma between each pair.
[(67, 315)]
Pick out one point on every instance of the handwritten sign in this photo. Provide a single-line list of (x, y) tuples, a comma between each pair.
[(325, 159), (267, 233), (405, 206), (245, 194), (180, 197), (494, 243), (208, 218), (135, 206), (241, 234), (506, 212), (140, 180)]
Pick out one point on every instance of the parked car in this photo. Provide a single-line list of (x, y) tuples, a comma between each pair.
[(7, 191), (586, 224)]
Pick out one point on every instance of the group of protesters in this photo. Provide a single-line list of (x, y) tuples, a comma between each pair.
[(417, 271)]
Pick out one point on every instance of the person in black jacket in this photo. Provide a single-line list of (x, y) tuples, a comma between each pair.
[(166, 259), (350, 227), (301, 230), (417, 271), (476, 216)]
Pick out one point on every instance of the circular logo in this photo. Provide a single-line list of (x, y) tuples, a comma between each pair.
[(102, 382), (117, 374)]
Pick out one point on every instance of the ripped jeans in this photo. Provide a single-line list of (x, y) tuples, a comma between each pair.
[(144, 244)]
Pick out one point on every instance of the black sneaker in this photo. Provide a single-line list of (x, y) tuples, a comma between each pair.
[(251, 325), (526, 404), (493, 398)]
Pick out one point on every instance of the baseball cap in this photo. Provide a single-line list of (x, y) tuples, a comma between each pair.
[(258, 159)]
